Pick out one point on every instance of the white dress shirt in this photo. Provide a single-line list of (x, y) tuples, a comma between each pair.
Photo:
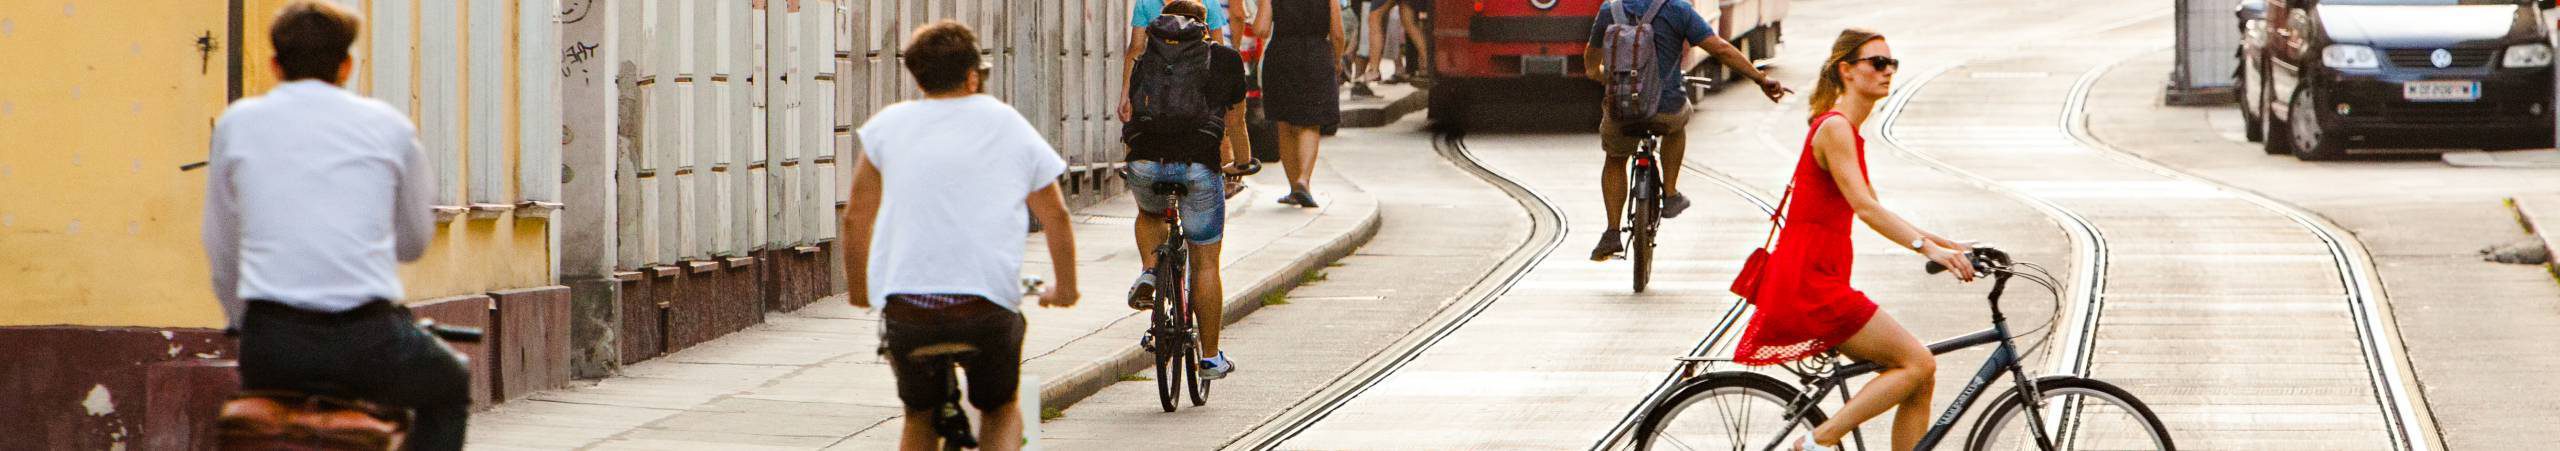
[(315, 195)]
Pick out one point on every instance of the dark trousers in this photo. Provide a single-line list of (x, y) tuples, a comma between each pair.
[(374, 353)]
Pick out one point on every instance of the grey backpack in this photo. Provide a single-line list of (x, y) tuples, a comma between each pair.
[(1627, 49)]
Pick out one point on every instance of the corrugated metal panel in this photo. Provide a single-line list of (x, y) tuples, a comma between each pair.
[(539, 78), (394, 54), (780, 224), (666, 118), (631, 52), (745, 130), (440, 96), (704, 130), (488, 94), (816, 55)]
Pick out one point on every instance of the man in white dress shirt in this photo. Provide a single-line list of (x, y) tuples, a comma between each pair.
[(315, 195)]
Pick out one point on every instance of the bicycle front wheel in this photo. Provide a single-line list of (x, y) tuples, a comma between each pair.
[(1725, 410), (2075, 413)]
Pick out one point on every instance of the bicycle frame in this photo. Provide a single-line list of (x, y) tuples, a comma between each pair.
[(2004, 358)]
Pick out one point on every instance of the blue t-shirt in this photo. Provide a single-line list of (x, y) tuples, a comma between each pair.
[(1676, 28), (1145, 13)]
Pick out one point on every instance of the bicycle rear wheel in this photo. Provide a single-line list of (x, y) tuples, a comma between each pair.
[(1199, 387), (1170, 343), (2077, 413), (1645, 219), (1724, 410)]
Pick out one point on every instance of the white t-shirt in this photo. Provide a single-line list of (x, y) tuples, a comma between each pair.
[(954, 174)]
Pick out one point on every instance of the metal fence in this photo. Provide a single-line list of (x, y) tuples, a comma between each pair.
[(737, 118), (1058, 61)]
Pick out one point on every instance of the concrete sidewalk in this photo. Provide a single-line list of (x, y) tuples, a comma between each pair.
[(809, 379)]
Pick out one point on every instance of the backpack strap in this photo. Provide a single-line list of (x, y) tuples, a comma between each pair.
[(1777, 219), (1657, 7), (1618, 13)]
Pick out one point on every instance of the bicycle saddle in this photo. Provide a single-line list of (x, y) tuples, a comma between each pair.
[(950, 350), (1171, 188)]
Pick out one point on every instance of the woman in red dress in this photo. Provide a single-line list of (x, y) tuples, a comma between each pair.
[(1805, 303)]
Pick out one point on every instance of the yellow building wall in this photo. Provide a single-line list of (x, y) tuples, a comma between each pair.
[(101, 102)]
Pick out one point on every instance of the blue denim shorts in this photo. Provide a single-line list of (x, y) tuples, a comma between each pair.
[(1204, 204)]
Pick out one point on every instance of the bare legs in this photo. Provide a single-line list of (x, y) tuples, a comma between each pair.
[(1208, 291), (1904, 384), (1298, 154)]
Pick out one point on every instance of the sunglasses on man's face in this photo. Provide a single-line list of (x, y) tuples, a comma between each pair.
[(1878, 62)]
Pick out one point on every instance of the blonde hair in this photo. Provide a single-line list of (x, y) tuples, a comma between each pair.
[(1826, 91)]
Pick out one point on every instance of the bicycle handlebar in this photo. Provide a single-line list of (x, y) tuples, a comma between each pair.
[(456, 334), (1985, 260)]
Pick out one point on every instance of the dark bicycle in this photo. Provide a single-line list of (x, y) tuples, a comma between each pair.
[(1172, 334), (950, 420), (290, 419), (1644, 200), (1744, 410)]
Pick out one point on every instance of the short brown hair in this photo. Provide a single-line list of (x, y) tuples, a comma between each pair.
[(1187, 8), (311, 39), (941, 55)]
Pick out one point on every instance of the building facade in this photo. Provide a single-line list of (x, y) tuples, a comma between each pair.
[(620, 179)]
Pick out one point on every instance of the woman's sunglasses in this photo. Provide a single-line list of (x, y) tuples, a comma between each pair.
[(1878, 62)]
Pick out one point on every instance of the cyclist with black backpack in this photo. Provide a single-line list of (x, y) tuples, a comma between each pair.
[(1635, 51), (1179, 96)]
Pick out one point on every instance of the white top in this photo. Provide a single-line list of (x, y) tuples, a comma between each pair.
[(955, 175), (313, 193)]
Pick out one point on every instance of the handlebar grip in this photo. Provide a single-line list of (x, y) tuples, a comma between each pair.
[(456, 334), (1934, 268)]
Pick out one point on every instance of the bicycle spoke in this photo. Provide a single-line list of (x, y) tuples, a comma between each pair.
[(2074, 418)]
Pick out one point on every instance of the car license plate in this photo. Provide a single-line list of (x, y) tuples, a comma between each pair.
[(2440, 91), (1543, 65)]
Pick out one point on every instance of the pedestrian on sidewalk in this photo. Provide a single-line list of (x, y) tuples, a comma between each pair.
[(1142, 14), (1407, 14), (1301, 87), (1806, 304), (1183, 85), (1676, 27), (314, 197), (941, 185)]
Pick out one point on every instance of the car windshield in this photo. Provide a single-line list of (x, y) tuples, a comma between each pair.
[(2421, 2)]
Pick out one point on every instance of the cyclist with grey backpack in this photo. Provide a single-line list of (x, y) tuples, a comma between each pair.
[(1179, 94), (1635, 51)]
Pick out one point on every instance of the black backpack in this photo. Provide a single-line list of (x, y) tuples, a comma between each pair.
[(1169, 96)]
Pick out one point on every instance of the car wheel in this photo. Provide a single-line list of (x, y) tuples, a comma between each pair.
[(2277, 137), (2250, 104), (2312, 141)]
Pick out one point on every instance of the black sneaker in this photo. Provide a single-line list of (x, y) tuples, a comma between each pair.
[(1609, 247), (1142, 295), (1672, 207)]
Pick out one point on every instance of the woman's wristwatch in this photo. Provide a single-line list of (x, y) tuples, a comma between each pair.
[(1917, 243)]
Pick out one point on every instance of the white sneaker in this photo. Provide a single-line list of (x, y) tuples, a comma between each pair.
[(1806, 443), (1215, 368)]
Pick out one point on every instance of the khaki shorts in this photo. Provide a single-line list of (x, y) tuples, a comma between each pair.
[(1614, 139)]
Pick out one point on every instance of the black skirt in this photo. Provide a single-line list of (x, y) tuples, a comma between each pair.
[(1300, 84)]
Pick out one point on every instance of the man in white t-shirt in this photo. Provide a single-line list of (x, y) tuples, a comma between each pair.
[(940, 186)]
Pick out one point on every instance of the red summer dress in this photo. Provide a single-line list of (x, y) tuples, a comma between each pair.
[(1805, 305)]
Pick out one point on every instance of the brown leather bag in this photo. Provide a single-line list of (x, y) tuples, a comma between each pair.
[(275, 420)]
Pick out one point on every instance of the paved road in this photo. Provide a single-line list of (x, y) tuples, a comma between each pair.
[(1443, 231), (2472, 328)]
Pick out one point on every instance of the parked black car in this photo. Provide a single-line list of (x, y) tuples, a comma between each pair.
[(2319, 76)]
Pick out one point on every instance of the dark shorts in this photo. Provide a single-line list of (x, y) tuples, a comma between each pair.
[(915, 321)]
